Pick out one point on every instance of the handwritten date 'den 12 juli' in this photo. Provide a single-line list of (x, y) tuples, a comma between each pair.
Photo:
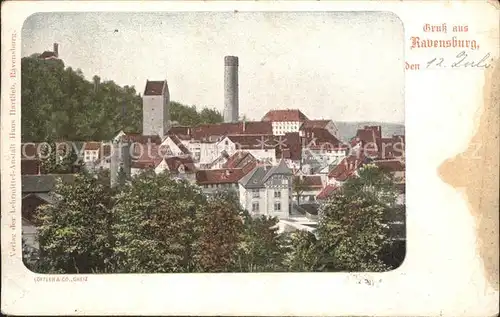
[(467, 56)]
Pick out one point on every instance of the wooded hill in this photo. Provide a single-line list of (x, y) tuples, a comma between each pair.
[(59, 103)]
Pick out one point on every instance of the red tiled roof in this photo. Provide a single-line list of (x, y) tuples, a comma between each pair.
[(390, 165), (285, 115), (246, 141), (154, 88), (369, 141), (144, 153), (318, 137), (219, 176), (92, 146), (321, 124), (346, 168), (327, 191), (205, 131), (292, 149), (183, 133), (143, 164), (366, 136), (239, 160), (142, 139), (175, 162), (377, 130), (392, 147), (310, 181), (181, 146)]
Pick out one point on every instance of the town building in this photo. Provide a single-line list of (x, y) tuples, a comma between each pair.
[(214, 180), (267, 190), (54, 54), (156, 108)]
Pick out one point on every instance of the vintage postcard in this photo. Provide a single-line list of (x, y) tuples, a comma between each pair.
[(250, 158)]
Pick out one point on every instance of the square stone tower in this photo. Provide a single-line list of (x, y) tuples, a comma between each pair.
[(155, 108)]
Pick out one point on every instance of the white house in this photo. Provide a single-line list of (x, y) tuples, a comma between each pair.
[(285, 121), (180, 167), (91, 151), (172, 146), (262, 147), (267, 190)]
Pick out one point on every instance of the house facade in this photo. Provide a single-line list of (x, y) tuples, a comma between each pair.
[(285, 121), (267, 190)]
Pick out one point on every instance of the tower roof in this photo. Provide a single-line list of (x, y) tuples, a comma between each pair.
[(154, 88)]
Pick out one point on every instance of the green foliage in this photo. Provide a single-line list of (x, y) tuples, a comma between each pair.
[(30, 257), (155, 223), (299, 186), (302, 252), (374, 184), (59, 103), (261, 248), (218, 233), (189, 116), (153, 226), (59, 158), (353, 230), (74, 232), (352, 233)]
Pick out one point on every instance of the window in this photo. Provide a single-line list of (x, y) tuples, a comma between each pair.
[(255, 193), (227, 143), (255, 206), (277, 194), (285, 182), (277, 206)]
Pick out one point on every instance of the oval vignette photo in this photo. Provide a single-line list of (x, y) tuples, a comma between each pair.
[(213, 142)]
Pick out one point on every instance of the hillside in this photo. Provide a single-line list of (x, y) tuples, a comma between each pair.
[(60, 103), (347, 130)]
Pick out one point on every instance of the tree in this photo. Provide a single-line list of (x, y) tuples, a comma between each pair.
[(154, 220), (58, 103), (353, 230), (58, 158), (261, 248), (210, 115), (302, 252), (299, 186), (218, 233), (373, 183), (74, 232), (30, 257)]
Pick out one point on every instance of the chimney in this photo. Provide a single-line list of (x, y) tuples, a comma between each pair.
[(56, 49), (114, 164), (121, 162), (231, 89)]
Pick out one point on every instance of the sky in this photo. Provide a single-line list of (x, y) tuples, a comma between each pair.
[(343, 66)]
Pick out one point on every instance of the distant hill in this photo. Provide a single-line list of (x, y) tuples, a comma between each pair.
[(347, 130)]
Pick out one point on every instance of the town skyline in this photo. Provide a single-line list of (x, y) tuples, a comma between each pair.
[(356, 92)]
